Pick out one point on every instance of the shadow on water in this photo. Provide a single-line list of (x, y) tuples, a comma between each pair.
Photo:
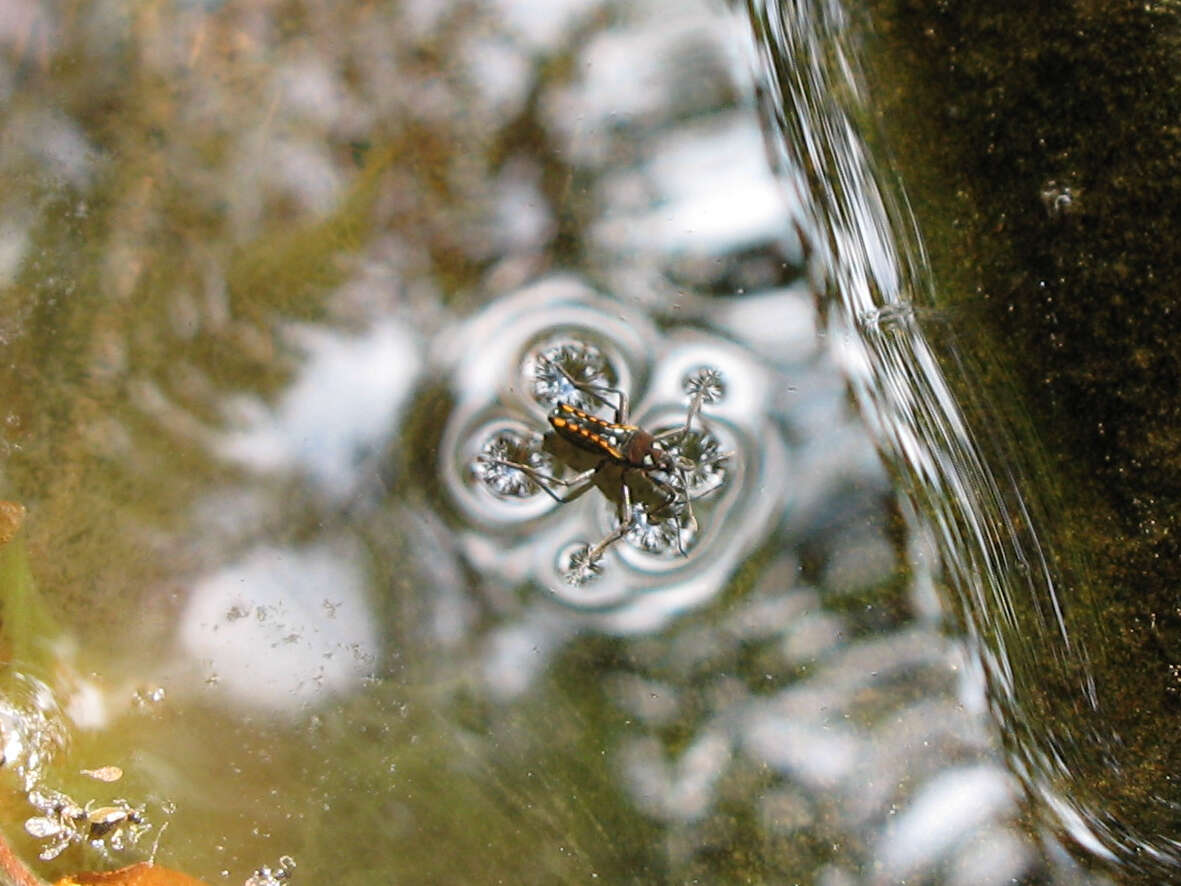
[(288, 305)]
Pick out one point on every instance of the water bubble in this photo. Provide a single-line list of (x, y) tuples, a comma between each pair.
[(147, 697), (32, 728), (562, 372), (505, 461)]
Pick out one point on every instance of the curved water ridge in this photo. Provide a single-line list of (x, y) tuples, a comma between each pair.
[(970, 495), (571, 520)]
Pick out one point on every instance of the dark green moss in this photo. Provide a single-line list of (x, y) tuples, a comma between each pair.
[(1041, 147)]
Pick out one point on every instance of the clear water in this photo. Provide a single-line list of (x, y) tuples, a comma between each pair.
[(275, 275), (1082, 728)]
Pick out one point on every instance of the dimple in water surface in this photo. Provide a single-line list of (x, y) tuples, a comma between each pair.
[(679, 463), (505, 448)]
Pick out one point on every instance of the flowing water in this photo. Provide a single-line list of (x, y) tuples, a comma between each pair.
[(1094, 765), (290, 291)]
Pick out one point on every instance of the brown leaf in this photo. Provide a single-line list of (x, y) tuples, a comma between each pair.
[(142, 874), (12, 514)]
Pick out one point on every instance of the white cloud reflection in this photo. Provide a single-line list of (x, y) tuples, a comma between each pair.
[(282, 627), (341, 407)]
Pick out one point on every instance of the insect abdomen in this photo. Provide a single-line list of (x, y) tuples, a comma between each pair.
[(592, 433)]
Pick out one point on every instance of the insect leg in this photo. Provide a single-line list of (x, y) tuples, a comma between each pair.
[(596, 552), (625, 499), (673, 495), (626, 518), (575, 486), (688, 510), (620, 407), (678, 431), (597, 391), (681, 431)]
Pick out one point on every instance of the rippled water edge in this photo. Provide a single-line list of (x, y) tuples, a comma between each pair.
[(916, 389)]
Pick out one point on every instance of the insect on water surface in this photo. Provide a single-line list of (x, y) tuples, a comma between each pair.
[(659, 457), (628, 445)]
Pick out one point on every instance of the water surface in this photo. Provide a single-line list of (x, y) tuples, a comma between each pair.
[(275, 275)]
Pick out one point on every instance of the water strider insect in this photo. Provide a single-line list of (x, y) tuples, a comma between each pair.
[(628, 446), (631, 449)]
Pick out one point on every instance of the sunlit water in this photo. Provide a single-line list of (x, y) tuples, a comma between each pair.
[(264, 319)]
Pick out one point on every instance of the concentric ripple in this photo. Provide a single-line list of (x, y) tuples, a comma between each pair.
[(642, 552)]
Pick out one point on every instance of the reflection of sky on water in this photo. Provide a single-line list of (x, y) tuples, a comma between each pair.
[(698, 191), (342, 407), (705, 189), (281, 628)]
